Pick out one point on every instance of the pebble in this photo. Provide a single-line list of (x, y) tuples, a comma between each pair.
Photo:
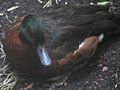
[(104, 69), (100, 65), (0, 26), (91, 3), (17, 3), (66, 3), (1, 14)]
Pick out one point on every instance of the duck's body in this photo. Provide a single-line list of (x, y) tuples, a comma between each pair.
[(64, 29)]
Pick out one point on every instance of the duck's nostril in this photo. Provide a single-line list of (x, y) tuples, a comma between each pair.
[(40, 50)]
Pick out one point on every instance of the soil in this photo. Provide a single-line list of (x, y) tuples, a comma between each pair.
[(103, 70)]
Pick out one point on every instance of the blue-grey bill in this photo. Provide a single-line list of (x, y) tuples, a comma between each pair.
[(44, 57)]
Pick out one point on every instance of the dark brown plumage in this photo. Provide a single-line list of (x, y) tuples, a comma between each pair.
[(58, 31)]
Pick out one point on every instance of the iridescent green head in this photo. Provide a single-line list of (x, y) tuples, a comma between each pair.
[(32, 31)]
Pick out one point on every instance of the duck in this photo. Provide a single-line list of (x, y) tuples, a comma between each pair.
[(54, 40)]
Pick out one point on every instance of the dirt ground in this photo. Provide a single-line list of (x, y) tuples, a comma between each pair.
[(103, 71)]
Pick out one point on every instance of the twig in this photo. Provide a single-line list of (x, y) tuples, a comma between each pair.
[(12, 8), (40, 1), (8, 18), (48, 4)]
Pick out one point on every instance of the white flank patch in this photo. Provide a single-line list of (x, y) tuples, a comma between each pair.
[(81, 45), (100, 38)]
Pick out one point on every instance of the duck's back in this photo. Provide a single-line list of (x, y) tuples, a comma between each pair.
[(78, 19), (67, 26)]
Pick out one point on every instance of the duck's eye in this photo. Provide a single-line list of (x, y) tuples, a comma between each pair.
[(30, 33)]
